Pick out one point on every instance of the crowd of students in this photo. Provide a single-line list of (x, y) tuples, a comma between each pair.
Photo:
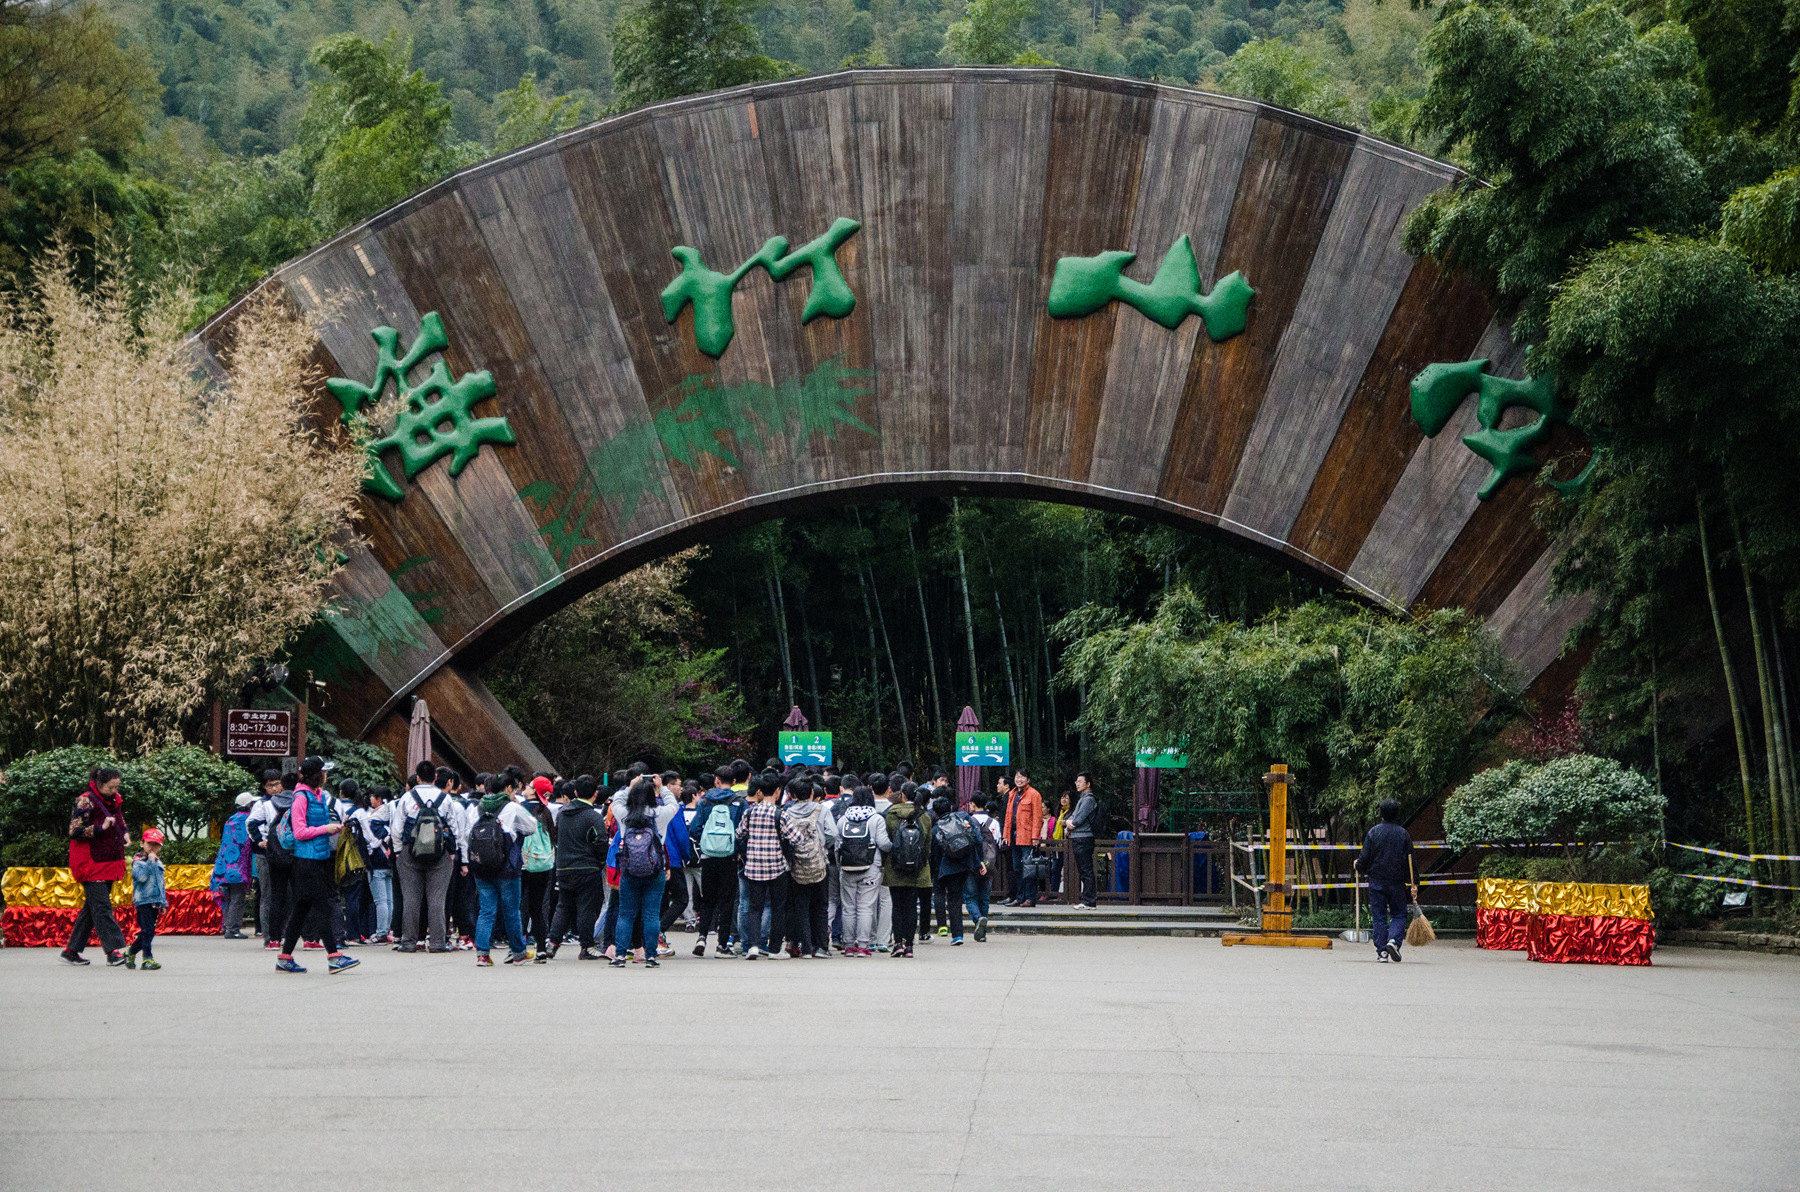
[(795, 861)]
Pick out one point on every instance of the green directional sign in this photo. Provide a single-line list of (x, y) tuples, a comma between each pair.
[(805, 749), (1162, 755), (983, 749)]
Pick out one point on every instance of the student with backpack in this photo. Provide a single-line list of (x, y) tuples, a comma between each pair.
[(373, 821), (835, 803), (428, 817), (859, 839), (714, 834), (581, 844), (759, 829), (980, 882), (308, 831), (538, 857), (906, 870), (803, 839), (278, 865), (955, 855), (492, 857), (884, 902), (643, 869)]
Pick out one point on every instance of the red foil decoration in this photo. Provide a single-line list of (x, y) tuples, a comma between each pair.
[(1590, 939), (190, 912), (1500, 929)]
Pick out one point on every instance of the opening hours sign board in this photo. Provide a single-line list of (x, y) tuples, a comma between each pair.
[(258, 732)]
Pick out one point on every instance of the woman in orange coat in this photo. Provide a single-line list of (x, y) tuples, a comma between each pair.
[(1024, 820)]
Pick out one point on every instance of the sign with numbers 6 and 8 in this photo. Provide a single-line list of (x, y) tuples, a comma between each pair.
[(804, 749), (983, 749)]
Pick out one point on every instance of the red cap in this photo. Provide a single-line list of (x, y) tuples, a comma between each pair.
[(153, 836), (542, 785)]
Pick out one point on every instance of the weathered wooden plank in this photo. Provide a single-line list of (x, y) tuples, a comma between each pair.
[(1289, 185), (1533, 626), (904, 149), (472, 722), (1355, 279), (996, 232), (621, 193), (529, 222), (1435, 495), (381, 625), (1440, 316), (813, 178), (1096, 148), (1192, 160), (440, 256)]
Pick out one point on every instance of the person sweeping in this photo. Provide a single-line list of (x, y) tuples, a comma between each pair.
[(1386, 861)]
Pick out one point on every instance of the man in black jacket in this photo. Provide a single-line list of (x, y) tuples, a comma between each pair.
[(1386, 861), (581, 844), (1084, 822)]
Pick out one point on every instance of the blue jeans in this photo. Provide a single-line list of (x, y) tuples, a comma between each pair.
[(500, 894), (381, 889), (1387, 915), (640, 904), (975, 894), (746, 930)]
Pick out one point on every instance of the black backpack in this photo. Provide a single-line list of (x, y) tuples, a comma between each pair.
[(490, 848), (641, 854), (909, 854), (954, 836), (428, 833), (856, 844)]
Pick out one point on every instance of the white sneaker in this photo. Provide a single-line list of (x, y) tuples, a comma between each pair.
[(753, 953)]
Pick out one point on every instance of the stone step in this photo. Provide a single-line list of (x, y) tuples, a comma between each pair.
[(1114, 920)]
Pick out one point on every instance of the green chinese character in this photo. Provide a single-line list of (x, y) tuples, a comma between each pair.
[(1082, 285), (435, 416), (710, 292), (1439, 389)]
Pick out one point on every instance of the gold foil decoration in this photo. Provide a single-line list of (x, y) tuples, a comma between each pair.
[(1503, 893), (22, 886), (1591, 898)]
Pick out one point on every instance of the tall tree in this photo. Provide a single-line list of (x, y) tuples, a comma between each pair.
[(664, 49)]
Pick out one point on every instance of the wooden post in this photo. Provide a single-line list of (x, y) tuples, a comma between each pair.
[(1277, 914), (218, 727), (968, 778), (300, 725)]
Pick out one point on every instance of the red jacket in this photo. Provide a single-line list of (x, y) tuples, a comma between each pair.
[(1024, 816), (96, 853)]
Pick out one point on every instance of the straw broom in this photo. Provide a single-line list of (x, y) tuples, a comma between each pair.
[(1418, 931)]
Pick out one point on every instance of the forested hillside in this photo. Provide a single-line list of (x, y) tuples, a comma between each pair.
[(237, 70)]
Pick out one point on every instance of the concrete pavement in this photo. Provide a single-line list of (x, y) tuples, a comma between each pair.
[(1024, 1062)]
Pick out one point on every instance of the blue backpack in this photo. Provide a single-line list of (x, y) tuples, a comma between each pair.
[(641, 853)]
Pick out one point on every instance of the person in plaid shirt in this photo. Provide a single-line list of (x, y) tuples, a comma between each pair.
[(764, 864)]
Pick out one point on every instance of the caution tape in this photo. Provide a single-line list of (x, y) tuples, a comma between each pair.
[(1719, 852), (1254, 847), (1736, 881), (1263, 847), (1430, 881)]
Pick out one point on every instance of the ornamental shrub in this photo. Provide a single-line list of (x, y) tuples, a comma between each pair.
[(1579, 798), (181, 790)]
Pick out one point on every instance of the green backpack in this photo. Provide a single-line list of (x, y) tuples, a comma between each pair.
[(539, 853)]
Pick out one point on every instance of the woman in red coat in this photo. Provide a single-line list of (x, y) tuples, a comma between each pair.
[(97, 844)]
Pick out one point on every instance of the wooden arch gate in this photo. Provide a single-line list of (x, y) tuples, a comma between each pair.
[(947, 307)]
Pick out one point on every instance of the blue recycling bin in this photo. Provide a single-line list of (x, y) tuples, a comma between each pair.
[(1121, 874), (1206, 873)]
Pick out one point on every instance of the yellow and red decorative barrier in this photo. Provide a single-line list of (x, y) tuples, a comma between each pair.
[(1502, 913), (1565, 922), (41, 905)]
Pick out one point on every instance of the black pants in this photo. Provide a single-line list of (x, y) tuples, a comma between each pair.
[(464, 908), (356, 900), (281, 896), (718, 896), (949, 896), (315, 895), (1084, 867), (907, 901), (578, 904), (534, 891), (96, 918), (147, 913), (808, 926), (675, 899), (772, 896)]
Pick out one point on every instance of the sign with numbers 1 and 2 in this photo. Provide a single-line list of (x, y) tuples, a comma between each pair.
[(805, 749), (983, 749)]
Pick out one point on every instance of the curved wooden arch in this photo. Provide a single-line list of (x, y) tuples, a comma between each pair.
[(547, 267)]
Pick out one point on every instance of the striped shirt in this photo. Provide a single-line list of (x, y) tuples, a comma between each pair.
[(760, 829)]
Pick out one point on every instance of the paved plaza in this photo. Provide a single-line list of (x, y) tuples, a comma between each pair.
[(1025, 1062)]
